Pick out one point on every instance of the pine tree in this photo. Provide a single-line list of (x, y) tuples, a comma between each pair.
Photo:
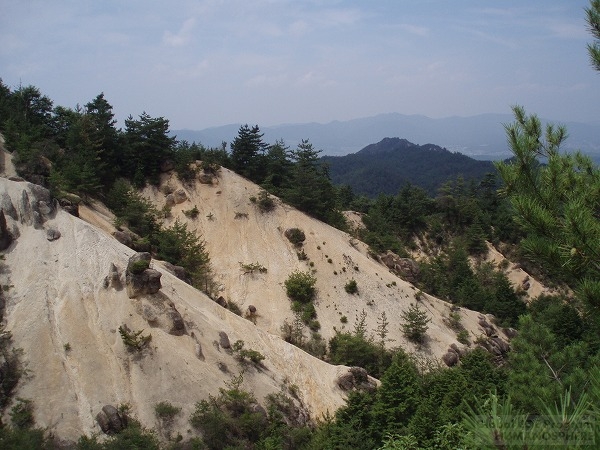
[(415, 323), (557, 203), (593, 20), (104, 131), (247, 153), (148, 144)]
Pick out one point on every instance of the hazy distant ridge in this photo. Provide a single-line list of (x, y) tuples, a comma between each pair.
[(481, 136)]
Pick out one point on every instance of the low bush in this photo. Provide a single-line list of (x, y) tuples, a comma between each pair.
[(166, 412), (134, 340), (296, 236), (139, 266), (351, 287), (300, 286), (242, 353)]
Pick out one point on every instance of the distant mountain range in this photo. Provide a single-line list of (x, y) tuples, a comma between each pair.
[(386, 166), (481, 137)]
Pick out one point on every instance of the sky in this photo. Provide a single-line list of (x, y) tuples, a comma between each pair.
[(204, 63)]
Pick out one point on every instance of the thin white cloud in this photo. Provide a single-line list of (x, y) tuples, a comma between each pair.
[(183, 36), (314, 79), (298, 28), (415, 29), (568, 30), (263, 80)]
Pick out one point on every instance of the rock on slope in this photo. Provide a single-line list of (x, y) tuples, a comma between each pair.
[(64, 310), (236, 231)]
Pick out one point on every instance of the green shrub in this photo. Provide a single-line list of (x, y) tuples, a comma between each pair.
[(166, 412), (463, 337), (351, 287), (314, 325), (253, 267), (134, 340), (265, 202), (229, 420), (296, 236), (234, 308), (182, 247), (242, 354), (300, 286), (21, 415), (139, 266), (12, 367), (192, 213)]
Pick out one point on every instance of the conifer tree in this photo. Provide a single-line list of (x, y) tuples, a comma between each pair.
[(593, 20), (247, 153), (557, 200)]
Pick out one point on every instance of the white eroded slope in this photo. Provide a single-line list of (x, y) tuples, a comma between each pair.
[(260, 238), (59, 296)]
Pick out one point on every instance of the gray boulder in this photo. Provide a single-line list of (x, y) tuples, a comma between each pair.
[(6, 236), (170, 200), (224, 340), (52, 234), (450, 359), (179, 196), (406, 268), (177, 323), (141, 282), (110, 420), (123, 237)]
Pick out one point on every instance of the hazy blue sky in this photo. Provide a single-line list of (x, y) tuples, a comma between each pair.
[(204, 63)]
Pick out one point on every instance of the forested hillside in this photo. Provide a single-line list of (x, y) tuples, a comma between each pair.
[(529, 377), (384, 167)]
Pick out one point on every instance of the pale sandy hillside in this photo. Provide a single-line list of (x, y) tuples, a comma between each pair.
[(336, 256), (65, 317), (519, 278), (7, 168)]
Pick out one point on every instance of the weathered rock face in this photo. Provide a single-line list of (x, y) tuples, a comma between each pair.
[(205, 178), (35, 206), (110, 420), (450, 359), (52, 234), (162, 314), (406, 268), (178, 271), (113, 279), (144, 282), (179, 196), (177, 323), (123, 237), (6, 237), (170, 200), (355, 378), (224, 340), (69, 206), (493, 343)]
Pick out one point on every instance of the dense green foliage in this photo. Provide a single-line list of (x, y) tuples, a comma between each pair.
[(386, 166), (300, 286)]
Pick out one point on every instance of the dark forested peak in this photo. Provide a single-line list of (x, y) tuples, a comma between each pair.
[(386, 166), (387, 145)]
